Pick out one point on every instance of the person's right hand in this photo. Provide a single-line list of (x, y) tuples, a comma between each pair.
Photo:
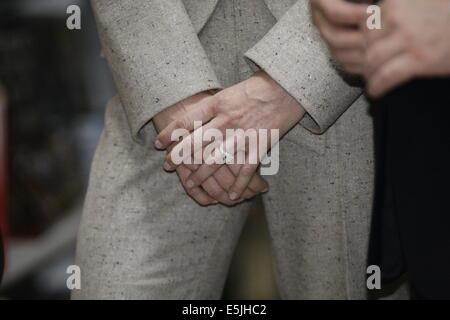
[(215, 189)]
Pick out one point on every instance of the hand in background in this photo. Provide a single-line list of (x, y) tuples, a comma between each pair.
[(414, 42), (256, 103), (215, 188), (339, 23)]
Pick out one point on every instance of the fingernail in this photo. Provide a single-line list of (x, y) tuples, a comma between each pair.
[(189, 184), (233, 196), (215, 202), (265, 190), (167, 166), (158, 144)]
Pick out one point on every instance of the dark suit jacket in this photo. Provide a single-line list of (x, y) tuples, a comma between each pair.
[(411, 220)]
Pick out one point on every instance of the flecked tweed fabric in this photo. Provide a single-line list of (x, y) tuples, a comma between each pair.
[(142, 237)]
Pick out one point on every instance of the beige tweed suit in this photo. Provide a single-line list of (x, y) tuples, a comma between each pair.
[(142, 237)]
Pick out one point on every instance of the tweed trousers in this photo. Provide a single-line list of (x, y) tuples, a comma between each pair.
[(142, 237)]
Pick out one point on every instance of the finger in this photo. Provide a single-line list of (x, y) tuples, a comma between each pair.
[(196, 143), (211, 187), (191, 165), (243, 179), (393, 73), (248, 192), (382, 51), (246, 195), (225, 177), (184, 152), (350, 56), (215, 191), (341, 12), (214, 160), (200, 196), (204, 112), (208, 154), (217, 154), (338, 37), (257, 184), (204, 172), (354, 69)]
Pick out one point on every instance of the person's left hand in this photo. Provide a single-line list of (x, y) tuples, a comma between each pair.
[(214, 189), (256, 103), (414, 42)]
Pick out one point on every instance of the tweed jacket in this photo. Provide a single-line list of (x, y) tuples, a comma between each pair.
[(158, 59)]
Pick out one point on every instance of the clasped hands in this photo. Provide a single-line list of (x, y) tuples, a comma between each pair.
[(414, 40), (256, 103)]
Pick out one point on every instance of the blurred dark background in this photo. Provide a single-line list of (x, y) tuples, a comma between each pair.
[(55, 85), (53, 88)]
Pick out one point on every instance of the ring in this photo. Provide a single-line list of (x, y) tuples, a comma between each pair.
[(227, 157)]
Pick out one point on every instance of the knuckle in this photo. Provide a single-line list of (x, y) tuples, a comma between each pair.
[(236, 115), (181, 123), (328, 11), (193, 167), (211, 105), (227, 119)]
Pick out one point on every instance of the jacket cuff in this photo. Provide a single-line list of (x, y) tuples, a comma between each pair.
[(295, 56), (156, 60)]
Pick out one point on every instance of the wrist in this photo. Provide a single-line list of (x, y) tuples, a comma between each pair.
[(264, 88), (176, 111)]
